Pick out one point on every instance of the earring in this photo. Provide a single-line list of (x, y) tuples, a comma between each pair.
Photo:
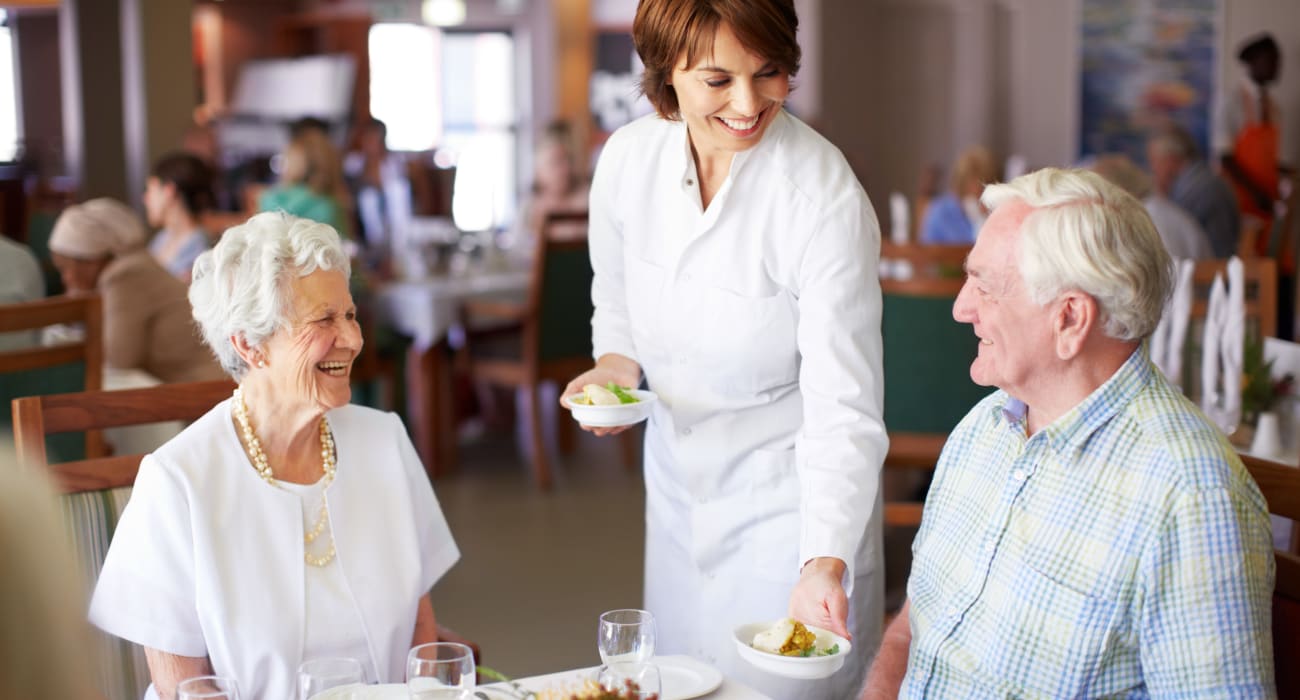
[(261, 363)]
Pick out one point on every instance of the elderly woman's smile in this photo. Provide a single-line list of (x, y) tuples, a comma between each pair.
[(310, 360)]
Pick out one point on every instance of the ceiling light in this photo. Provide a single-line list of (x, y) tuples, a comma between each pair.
[(443, 13)]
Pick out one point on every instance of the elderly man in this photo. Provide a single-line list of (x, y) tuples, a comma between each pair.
[(1088, 532), (1181, 176)]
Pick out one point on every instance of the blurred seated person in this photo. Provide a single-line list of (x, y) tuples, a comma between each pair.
[(178, 191), (99, 246), (20, 280), (311, 181), (379, 185), (1182, 176), (955, 217), (1182, 236), (285, 524), (558, 183)]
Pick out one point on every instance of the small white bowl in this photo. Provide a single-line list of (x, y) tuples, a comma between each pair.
[(613, 416), (802, 667)]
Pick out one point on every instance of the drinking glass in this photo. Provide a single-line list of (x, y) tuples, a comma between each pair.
[(635, 680), (626, 636), (440, 671), (208, 688), (320, 675)]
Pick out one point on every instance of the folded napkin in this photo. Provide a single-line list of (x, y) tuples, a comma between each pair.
[(1171, 333), (1233, 343), (1215, 320), (899, 218)]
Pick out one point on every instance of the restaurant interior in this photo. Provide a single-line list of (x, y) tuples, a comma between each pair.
[(444, 123)]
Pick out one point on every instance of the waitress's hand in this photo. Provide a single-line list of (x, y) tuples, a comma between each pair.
[(819, 599), (620, 369)]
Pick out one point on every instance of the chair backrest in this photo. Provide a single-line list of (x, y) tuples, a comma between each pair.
[(38, 416), (923, 261), (560, 293), (927, 358), (1261, 292), (1280, 484), (97, 489), (76, 365)]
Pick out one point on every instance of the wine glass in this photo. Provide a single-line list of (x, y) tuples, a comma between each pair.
[(626, 636), (633, 680), (440, 671), (208, 688), (319, 675)]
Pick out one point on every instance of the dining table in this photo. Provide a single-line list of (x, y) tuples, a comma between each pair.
[(427, 310)]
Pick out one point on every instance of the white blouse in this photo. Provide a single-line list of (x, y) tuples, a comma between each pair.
[(207, 559)]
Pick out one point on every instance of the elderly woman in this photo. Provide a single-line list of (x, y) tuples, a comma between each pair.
[(178, 190), (285, 524), (735, 260), (99, 246)]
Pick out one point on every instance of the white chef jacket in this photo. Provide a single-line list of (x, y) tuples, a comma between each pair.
[(757, 322), (207, 559)]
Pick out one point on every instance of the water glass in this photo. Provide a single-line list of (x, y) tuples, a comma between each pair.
[(317, 676), (626, 636), (440, 671), (208, 688), (633, 680)]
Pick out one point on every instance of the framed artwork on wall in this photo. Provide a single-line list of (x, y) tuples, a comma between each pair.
[(1145, 62)]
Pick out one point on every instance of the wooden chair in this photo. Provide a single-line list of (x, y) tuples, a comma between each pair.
[(1261, 292), (554, 338), (70, 366), (927, 261), (927, 357), (1280, 484), (97, 489)]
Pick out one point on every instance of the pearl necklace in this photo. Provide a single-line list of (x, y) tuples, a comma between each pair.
[(327, 458)]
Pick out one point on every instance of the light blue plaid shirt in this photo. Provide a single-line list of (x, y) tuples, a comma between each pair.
[(1121, 551)]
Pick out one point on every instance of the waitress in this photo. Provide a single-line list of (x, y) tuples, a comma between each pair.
[(735, 266)]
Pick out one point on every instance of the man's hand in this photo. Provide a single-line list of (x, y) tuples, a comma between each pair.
[(818, 598)]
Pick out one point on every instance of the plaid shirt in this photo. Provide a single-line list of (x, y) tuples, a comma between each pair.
[(1121, 551)]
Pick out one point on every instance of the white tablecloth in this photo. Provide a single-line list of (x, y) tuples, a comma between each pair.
[(426, 309), (729, 690)]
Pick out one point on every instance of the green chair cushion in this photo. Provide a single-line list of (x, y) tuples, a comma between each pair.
[(928, 388)]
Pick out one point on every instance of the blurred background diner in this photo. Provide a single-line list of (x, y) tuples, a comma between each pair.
[(451, 143)]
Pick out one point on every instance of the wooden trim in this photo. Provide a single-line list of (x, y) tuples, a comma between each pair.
[(923, 286), (1259, 272), (96, 474), (905, 514), (1288, 575), (1280, 484), (113, 409), (40, 357), (919, 450)]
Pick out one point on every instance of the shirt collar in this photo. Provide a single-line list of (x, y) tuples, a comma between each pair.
[(686, 165), (1072, 429)]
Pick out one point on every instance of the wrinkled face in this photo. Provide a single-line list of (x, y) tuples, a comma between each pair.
[(311, 359), (157, 197), (79, 276), (728, 99), (1015, 334)]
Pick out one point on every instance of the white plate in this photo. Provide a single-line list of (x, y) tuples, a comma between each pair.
[(793, 666), (613, 416), (683, 677)]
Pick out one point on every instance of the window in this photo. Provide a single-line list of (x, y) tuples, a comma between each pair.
[(9, 132), (454, 92)]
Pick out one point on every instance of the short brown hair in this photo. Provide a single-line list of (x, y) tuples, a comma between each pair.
[(665, 29)]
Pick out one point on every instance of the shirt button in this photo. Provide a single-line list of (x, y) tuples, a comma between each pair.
[(686, 432), (690, 182), (1019, 475)]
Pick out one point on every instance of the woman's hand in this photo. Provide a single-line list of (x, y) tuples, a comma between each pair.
[(819, 599), (622, 370)]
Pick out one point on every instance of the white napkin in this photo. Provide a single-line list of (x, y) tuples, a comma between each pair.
[(1172, 331), (899, 218), (1233, 342), (1215, 318)]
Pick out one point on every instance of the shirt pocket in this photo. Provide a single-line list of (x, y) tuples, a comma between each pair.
[(644, 289), (1047, 637), (747, 344)]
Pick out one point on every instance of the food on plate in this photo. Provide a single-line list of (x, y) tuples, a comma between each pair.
[(788, 637), (590, 690), (609, 395)]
